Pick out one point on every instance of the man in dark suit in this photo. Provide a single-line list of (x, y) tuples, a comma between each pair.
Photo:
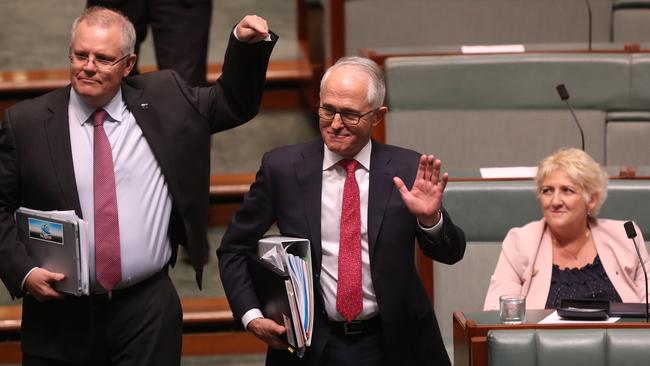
[(348, 195), (130, 156)]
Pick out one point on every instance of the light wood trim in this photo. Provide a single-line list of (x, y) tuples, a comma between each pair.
[(222, 343)]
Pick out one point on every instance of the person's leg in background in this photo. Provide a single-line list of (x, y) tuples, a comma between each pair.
[(181, 32)]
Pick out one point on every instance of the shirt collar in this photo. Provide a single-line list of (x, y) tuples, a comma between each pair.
[(363, 157), (81, 112)]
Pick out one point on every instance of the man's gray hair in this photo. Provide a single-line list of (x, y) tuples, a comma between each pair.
[(376, 83), (103, 17)]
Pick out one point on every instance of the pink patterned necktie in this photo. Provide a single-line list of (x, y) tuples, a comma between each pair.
[(348, 293), (108, 271)]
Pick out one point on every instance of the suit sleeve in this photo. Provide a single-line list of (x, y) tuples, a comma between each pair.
[(446, 247), (235, 98), (248, 225), (14, 261)]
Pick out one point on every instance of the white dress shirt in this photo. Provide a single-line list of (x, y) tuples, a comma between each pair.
[(143, 200)]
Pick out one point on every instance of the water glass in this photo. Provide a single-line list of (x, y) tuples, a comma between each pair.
[(512, 309)]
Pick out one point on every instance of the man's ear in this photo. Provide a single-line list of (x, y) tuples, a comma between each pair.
[(380, 114), (130, 64)]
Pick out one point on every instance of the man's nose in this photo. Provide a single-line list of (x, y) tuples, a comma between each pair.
[(337, 121), (89, 65)]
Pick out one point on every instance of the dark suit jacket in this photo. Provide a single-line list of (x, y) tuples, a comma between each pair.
[(288, 191), (36, 171)]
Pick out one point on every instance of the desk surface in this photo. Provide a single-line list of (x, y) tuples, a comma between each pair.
[(533, 317), (471, 328)]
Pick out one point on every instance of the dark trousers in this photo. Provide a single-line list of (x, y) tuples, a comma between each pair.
[(137, 326), (353, 350), (180, 28)]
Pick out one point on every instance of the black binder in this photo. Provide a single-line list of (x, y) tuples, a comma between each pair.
[(275, 292)]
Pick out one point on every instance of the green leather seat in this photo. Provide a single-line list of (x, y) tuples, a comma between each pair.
[(575, 347)]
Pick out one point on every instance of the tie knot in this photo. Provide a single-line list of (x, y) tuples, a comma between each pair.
[(349, 164), (98, 117)]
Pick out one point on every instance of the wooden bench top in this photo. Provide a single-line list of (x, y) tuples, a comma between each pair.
[(45, 80), (197, 310)]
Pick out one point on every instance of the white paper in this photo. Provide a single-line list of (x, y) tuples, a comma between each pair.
[(554, 318), (498, 48), (509, 172), (275, 257), (84, 252)]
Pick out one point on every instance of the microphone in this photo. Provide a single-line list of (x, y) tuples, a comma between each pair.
[(631, 233), (590, 20), (564, 95)]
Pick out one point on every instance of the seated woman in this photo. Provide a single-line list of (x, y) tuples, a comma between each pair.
[(569, 253)]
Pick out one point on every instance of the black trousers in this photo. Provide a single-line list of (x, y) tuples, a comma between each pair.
[(353, 350), (180, 28), (137, 326)]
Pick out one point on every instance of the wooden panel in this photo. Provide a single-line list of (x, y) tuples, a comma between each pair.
[(10, 352), (224, 343), (10, 317), (479, 351), (337, 31), (206, 310), (461, 340), (230, 185)]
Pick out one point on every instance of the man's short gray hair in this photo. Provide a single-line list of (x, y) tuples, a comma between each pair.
[(376, 83), (103, 17)]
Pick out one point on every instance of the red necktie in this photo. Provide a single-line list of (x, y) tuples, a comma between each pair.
[(107, 227), (348, 292)]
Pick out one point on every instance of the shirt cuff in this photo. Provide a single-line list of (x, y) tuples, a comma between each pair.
[(435, 229), (22, 284), (250, 315)]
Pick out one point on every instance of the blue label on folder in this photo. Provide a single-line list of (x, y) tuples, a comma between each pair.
[(45, 230)]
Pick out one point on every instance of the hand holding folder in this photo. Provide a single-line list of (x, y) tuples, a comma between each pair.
[(282, 276), (40, 284), (56, 241)]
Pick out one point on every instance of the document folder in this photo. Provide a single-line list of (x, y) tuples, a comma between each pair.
[(56, 242), (282, 277)]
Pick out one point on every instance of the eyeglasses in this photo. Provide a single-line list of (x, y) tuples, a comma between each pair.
[(99, 62), (348, 118)]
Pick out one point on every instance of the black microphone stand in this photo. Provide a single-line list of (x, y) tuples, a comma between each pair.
[(631, 233)]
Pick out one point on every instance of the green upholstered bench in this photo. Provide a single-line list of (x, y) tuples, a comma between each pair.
[(631, 21), (426, 23), (503, 110), (588, 347)]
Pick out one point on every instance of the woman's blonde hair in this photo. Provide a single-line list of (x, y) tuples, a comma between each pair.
[(581, 168)]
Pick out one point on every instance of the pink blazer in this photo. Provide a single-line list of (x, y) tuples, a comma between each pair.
[(526, 262)]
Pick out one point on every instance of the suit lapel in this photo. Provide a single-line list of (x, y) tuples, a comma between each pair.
[(309, 174), (379, 192), (144, 112), (57, 130)]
